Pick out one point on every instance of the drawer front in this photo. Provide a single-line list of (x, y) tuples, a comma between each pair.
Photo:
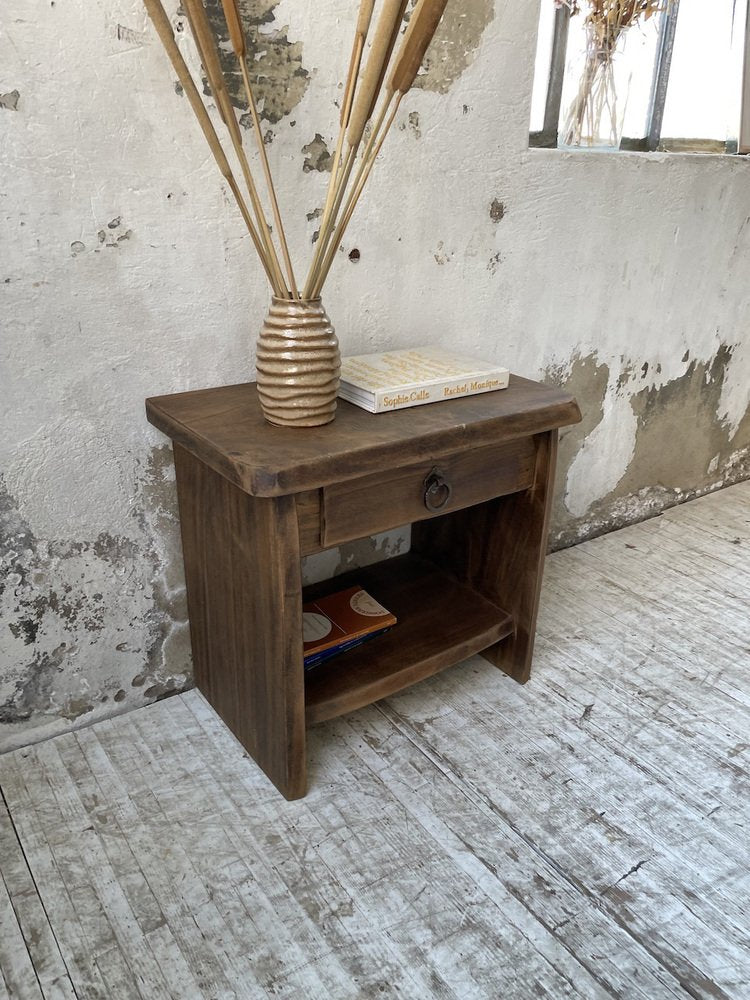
[(401, 496)]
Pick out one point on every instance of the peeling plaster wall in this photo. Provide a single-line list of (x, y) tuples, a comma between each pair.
[(125, 272)]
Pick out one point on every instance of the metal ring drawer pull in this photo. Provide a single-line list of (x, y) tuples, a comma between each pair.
[(437, 491)]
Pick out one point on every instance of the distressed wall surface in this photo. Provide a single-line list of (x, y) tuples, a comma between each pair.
[(125, 272)]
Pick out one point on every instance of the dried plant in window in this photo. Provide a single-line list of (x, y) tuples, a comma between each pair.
[(593, 115)]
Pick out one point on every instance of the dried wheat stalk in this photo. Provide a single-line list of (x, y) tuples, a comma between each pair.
[(607, 19), (386, 31), (362, 94), (206, 44), (420, 32), (164, 29), (237, 38), (331, 205)]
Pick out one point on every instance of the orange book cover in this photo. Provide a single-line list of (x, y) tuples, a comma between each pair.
[(340, 618)]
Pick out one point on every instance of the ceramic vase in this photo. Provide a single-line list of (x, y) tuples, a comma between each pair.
[(298, 364)]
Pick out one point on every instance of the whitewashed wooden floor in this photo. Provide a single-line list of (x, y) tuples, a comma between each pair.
[(584, 836)]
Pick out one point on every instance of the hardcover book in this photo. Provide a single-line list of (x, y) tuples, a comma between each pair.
[(397, 379), (339, 622)]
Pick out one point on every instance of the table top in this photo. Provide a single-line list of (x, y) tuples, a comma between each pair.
[(225, 428)]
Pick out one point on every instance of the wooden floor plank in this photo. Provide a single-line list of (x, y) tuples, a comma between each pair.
[(108, 904), (348, 839), (180, 810), (532, 896), (691, 610), (582, 836), (722, 555), (360, 954), (718, 513), (18, 976), (687, 637), (649, 732), (37, 936), (597, 846), (651, 697), (157, 846)]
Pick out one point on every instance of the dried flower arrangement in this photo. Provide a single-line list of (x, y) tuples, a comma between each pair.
[(297, 358), (606, 22)]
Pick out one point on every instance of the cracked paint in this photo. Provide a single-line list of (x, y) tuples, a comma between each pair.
[(78, 616), (352, 555), (455, 44), (278, 76), (497, 210), (587, 380), (9, 101), (681, 446), (494, 263), (125, 34), (110, 236), (317, 156), (441, 255), (412, 124)]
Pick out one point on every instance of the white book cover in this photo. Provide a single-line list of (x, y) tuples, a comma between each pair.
[(397, 379)]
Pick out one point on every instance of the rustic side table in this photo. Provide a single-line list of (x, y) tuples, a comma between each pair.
[(474, 476)]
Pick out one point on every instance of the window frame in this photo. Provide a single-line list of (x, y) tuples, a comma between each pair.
[(744, 136), (548, 137)]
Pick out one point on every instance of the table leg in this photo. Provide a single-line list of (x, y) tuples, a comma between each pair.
[(244, 589)]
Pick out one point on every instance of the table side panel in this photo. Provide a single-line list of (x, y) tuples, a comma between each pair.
[(244, 589), (521, 539)]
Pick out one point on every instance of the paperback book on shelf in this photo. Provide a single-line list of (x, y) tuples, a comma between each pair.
[(397, 379), (341, 621)]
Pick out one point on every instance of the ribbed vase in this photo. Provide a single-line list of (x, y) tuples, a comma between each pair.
[(298, 364)]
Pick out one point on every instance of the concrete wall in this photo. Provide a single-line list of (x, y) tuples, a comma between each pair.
[(125, 272)]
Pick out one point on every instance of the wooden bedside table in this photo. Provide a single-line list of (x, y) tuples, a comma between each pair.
[(475, 478)]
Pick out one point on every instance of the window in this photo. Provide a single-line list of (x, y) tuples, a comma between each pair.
[(643, 74)]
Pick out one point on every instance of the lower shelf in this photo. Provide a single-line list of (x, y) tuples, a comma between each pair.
[(440, 623)]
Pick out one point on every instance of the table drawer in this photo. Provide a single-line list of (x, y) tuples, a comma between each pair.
[(436, 486)]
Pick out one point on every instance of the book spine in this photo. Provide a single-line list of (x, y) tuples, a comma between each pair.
[(386, 400), (315, 659)]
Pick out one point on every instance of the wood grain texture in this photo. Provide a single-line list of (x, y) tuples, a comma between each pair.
[(17, 975), (242, 569), (440, 623), (392, 497), (582, 836), (498, 548), (309, 514), (479, 583), (225, 428), (30, 961)]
